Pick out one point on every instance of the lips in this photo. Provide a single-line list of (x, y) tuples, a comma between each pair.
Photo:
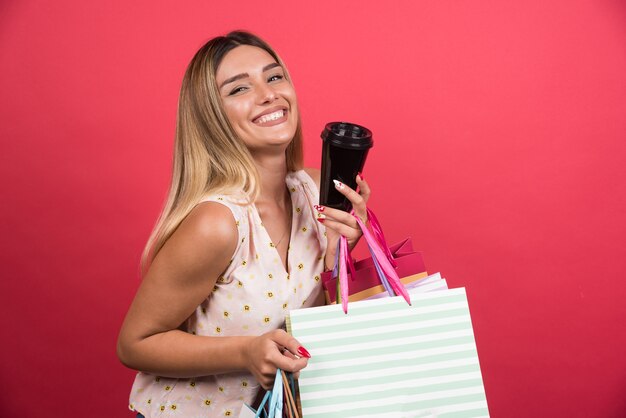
[(271, 117)]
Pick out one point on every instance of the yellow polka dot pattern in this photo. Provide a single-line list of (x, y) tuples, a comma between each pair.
[(252, 297)]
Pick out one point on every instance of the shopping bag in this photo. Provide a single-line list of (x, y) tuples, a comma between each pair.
[(382, 259), (366, 283), (430, 283), (278, 402), (388, 358)]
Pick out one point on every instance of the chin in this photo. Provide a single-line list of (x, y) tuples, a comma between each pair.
[(287, 137), (273, 137), (281, 137)]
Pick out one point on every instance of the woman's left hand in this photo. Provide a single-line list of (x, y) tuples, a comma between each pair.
[(338, 222)]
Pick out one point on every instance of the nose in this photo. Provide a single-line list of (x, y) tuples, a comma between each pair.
[(266, 94)]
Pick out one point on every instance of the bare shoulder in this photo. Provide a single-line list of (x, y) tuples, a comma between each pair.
[(314, 173), (182, 273), (210, 221), (204, 241)]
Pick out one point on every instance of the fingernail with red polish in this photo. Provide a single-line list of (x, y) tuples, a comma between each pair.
[(338, 184), (319, 208), (320, 220), (302, 351)]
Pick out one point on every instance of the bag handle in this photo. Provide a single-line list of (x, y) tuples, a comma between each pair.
[(280, 394), (289, 395), (386, 267), (379, 235), (260, 412), (381, 255)]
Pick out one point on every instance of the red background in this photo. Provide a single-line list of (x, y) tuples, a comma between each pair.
[(499, 130)]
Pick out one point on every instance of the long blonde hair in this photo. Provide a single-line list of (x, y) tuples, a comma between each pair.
[(209, 157)]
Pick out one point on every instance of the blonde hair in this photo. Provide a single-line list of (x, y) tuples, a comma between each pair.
[(209, 158)]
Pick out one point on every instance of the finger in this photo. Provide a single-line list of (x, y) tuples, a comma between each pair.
[(364, 188), (341, 228), (283, 339), (267, 382), (364, 191), (266, 376), (358, 202), (291, 365), (288, 354), (338, 215), (348, 192), (288, 361)]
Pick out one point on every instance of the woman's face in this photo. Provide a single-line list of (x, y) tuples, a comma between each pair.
[(258, 99)]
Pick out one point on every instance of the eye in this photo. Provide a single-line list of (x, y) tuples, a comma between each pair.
[(237, 90), (276, 77)]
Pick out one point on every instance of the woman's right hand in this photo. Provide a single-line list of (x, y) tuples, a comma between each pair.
[(272, 350)]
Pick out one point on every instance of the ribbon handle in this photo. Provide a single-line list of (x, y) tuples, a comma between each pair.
[(385, 265), (381, 255), (380, 236), (273, 399)]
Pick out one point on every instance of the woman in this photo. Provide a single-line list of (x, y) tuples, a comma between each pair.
[(240, 241)]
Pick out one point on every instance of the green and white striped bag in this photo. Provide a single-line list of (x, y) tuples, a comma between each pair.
[(386, 358)]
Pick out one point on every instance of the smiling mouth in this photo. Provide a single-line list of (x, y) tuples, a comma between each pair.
[(271, 118)]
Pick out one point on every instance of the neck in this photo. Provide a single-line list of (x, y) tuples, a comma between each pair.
[(272, 171)]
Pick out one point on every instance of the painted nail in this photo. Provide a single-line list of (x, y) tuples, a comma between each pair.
[(321, 220), (302, 351), (339, 185), (319, 208)]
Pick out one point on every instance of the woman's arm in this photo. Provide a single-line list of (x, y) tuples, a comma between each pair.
[(180, 277)]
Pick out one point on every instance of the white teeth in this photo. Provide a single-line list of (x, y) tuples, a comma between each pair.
[(271, 116)]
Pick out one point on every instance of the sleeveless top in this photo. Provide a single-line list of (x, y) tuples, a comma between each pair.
[(252, 297)]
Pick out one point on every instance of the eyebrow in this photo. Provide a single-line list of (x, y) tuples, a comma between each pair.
[(244, 75)]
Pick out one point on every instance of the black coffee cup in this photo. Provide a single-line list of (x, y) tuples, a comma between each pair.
[(344, 150)]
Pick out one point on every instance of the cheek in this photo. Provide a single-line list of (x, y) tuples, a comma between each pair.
[(295, 110), (290, 95), (237, 111)]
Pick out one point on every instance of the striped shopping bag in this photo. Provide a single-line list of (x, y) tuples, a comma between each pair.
[(388, 358)]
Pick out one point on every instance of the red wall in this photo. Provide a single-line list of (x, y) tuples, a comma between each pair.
[(499, 135)]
